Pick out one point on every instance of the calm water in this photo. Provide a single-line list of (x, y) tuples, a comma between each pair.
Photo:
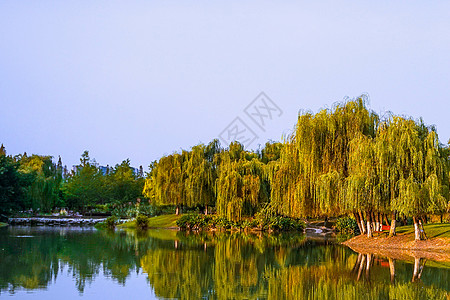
[(67, 263)]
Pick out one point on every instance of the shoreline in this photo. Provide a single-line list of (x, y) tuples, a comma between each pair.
[(402, 247)]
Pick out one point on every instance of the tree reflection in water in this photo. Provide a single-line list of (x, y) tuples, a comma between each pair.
[(216, 265)]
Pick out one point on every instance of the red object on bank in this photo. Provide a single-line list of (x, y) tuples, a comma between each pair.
[(385, 227)]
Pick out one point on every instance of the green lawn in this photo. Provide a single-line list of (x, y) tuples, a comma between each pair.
[(437, 230), (164, 221)]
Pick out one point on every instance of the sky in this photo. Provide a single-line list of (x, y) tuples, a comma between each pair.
[(143, 79)]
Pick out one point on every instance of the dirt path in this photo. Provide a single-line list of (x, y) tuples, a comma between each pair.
[(401, 247)]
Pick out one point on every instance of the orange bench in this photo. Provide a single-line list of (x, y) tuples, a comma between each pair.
[(384, 229)]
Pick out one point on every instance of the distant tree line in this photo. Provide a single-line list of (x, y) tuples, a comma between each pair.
[(340, 161), (36, 182)]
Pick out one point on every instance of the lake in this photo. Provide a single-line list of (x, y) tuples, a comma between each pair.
[(81, 262)]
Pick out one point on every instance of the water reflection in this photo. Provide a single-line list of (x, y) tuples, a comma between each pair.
[(365, 262), (214, 265)]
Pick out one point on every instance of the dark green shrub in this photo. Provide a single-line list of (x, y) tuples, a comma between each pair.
[(141, 221), (195, 221), (277, 223), (280, 223), (111, 222), (347, 225), (221, 222)]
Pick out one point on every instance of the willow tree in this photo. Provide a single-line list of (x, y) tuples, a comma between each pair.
[(240, 185), (184, 179), (200, 178), (165, 183), (364, 188), (310, 180), (44, 191), (412, 168)]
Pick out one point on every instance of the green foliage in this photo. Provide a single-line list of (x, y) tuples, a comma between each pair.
[(347, 225), (224, 223), (271, 152), (183, 179), (200, 222), (241, 185), (267, 220), (36, 182), (142, 221), (163, 221), (44, 191), (194, 221), (85, 186), (280, 223), (111, 222), (11, 185), (88, 186), (314, 162)]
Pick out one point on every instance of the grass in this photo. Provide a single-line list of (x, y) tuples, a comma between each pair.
[(164, 221), (3, 224), (437, 230), (438, 264)]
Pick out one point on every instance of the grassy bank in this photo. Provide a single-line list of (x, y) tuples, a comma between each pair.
[(438, 240), (438, 230), (164, 221)]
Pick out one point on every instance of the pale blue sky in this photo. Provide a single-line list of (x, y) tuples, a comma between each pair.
[(132, 79)]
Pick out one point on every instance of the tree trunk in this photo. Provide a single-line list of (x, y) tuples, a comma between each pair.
[(377, 221), (177, 210), (381, 221), (386, 219), (363, 226), (416, 266), (368, 265), (392, 269), (374, 227), (369, 225), (357, 263), (206, 210), (417, 235), (358, 221), (393, 225), (361, 267), (419, 264), (422, 230)]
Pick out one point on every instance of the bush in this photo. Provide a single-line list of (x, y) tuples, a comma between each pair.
[(224, 223), (195, 221), (347, 225), (141, 221), (267, 220), (280, 223), (111, 222)]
